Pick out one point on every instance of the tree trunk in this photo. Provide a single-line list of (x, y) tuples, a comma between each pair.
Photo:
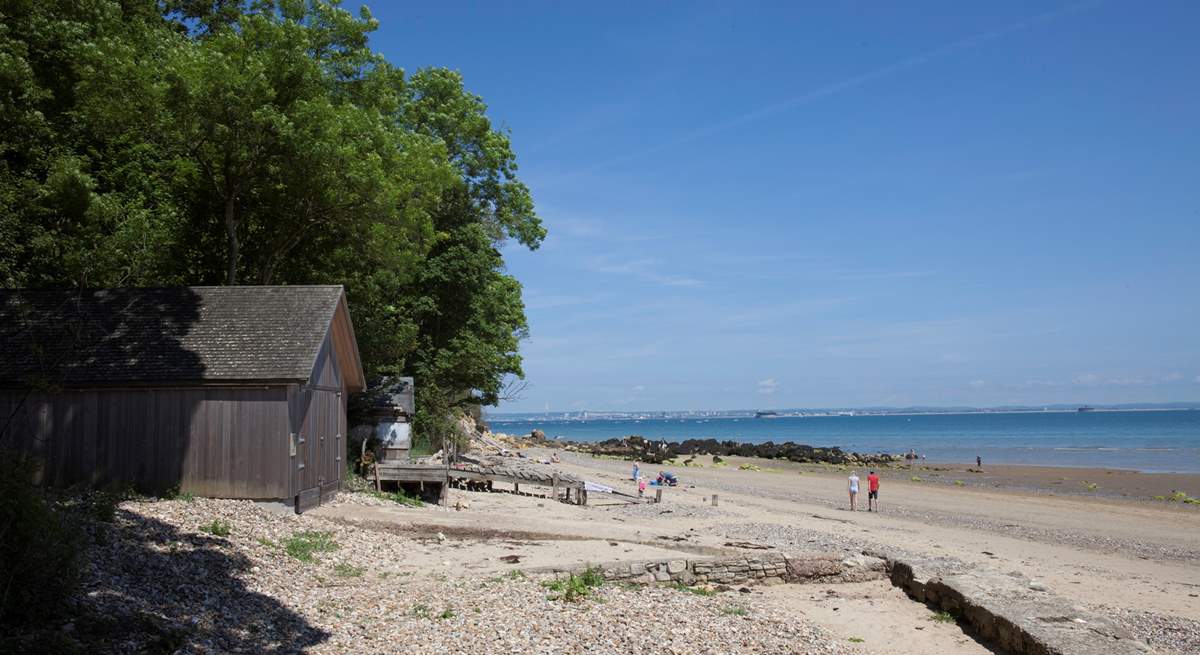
[(231, 226)]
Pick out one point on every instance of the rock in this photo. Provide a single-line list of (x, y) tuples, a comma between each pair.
[(676, 566)]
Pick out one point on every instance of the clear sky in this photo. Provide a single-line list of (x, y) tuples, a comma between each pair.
[(847, 203)]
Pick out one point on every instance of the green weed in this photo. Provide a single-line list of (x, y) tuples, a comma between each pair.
[(959, 483), (344, 570), (398, 497), (1090, 486), (302, 545), (446, 614), (175, 494), (734, 610), (574, 588), (699, 591), (856, 640), (420, 611), (916, 478), (942, 617), (217, 528)]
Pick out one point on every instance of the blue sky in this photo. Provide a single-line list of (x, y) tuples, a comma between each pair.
[(844, 204)]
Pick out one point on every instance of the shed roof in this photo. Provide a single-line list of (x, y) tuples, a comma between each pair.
[(179, 334)]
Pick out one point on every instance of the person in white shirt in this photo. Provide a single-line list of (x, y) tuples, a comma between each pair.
[(853, 491)]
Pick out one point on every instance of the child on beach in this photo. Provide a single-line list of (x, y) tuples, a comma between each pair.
[(641, 486), (635, 471), (853, 491)]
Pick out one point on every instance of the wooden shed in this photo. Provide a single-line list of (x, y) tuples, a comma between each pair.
[(233, 392)]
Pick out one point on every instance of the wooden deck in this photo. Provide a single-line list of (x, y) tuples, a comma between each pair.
[(561, 485)]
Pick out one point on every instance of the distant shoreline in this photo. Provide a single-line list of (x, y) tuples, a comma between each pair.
[(850, 413)]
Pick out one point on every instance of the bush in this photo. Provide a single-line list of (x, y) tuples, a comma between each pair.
[(39, 548)]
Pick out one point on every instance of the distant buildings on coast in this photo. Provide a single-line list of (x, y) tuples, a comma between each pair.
[(592, 415)]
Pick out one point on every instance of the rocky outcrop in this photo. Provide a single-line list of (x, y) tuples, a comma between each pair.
[(656, 452)]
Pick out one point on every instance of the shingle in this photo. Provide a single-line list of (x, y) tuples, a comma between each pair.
[(70, 337)]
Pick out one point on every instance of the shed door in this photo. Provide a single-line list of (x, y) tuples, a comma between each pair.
[(319, 466)]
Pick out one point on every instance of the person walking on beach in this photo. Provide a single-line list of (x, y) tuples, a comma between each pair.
[(635, 471), (853, 491), (872, 492), (978, 462), (641, 486)]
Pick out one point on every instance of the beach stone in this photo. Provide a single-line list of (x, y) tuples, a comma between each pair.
[(676, 566)]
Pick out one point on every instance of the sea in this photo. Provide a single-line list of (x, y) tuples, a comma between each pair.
[(1150, 441)]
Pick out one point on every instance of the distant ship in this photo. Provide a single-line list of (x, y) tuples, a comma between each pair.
[(766, 414), (1085, 408)]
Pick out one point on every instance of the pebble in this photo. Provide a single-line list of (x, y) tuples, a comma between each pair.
[(154, 572)]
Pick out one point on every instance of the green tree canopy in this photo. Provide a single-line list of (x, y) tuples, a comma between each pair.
[(233, 142)]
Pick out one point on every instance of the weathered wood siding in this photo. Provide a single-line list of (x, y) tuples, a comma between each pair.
[(227, 442), (319, 411)]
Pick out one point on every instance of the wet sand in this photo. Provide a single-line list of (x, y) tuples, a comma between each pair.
[(1099, 482)]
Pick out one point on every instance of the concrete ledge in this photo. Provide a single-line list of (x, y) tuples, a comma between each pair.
[(1012, 611), (766, 568)]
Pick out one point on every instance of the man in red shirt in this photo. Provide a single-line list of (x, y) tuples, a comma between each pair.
[(872, 492)]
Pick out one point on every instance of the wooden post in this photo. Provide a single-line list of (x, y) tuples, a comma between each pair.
[(376, 468), (554, 487), (583, 496), (516, 489), (568, 493), (658, 495), (714, 500), (444, 497)]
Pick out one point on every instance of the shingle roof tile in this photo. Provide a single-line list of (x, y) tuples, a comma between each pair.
[(64, 337)]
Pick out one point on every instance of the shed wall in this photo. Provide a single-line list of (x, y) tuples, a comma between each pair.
[(319, 420), (229, 442)]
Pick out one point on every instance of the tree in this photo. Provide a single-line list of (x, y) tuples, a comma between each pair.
[(226, 141)]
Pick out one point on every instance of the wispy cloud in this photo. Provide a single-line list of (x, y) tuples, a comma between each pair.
[(768, 386), (646, 268), (835, 88), (537, 301), (1093, 379), (977, 384)]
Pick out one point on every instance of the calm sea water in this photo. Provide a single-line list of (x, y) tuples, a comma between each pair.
[(1160, 441)]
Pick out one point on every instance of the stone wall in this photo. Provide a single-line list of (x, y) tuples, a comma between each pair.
[(767, 568)]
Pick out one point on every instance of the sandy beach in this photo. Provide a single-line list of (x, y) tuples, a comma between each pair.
[(1109, 548), (478, 574)]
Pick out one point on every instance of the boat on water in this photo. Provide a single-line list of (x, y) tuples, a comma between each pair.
[(1085, 408), (766, 414)]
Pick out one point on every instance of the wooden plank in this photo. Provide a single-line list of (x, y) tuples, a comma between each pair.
[(308, 499)]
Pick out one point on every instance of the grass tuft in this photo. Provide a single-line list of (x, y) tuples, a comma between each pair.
[(398, 497), (217, 528), (734, 610), (699, 591), (175, 494), (942, 617), (344, 570), (574, 588), (302, 545)]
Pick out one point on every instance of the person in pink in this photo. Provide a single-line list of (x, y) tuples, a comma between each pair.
[(641, 486)]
